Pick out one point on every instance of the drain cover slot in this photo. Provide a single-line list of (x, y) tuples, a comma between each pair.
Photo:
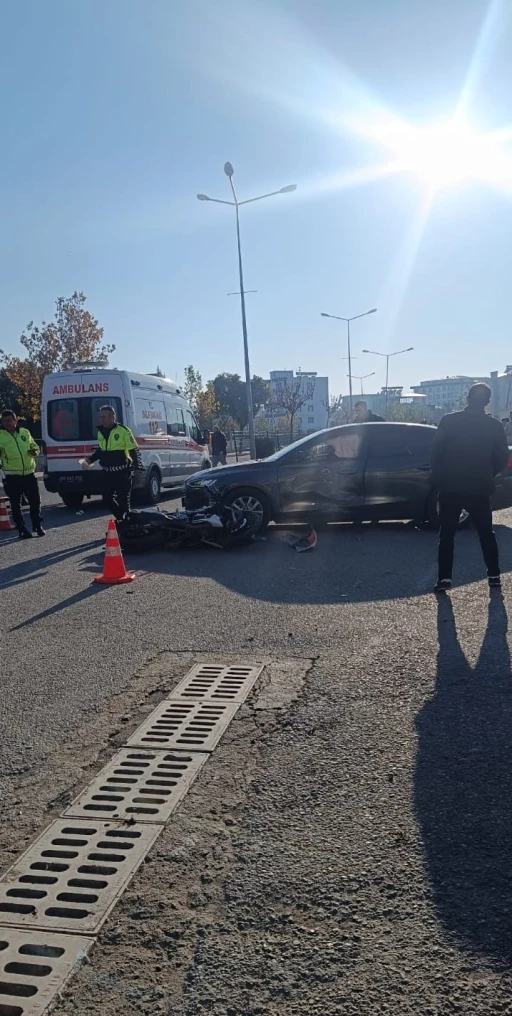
[(34, 967), (140, 785), (64, 905), (176, 723), (218, 682)]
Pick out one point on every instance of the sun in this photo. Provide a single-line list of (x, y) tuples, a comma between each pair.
[(446, 154)]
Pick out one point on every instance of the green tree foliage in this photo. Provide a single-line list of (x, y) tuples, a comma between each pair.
[(231, 399), (73, 336)]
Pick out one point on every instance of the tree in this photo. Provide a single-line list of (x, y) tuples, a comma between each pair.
[(206, 407), (290, 395), (405, 412), (332, 406), (10, 394), (193, 385), (231, 398), (74, 336)]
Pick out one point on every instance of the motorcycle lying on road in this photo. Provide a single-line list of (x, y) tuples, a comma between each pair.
[(214, 524)]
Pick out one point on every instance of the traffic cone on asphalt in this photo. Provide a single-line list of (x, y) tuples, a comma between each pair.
[(5, 522), (114, 571)]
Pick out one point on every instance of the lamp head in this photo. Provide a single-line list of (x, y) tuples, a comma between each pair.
[(228, 169)]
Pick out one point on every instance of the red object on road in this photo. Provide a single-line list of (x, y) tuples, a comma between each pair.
[(114, 572), (5, 523)]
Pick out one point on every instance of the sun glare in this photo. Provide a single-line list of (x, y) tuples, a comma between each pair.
[(446, 154)]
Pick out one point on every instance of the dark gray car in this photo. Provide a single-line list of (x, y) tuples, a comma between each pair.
[(356, 472)]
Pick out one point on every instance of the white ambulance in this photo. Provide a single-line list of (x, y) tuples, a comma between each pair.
[(170, 441)]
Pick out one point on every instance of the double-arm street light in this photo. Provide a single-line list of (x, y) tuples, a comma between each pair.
[(388, 356), (236, 204), (349, 358), (358, 377)]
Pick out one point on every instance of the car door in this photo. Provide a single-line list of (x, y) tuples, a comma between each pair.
[(178, 442), (397, 472), (196, 450), (323, 476)]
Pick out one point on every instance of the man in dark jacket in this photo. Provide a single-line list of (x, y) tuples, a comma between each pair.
[(469, 450), (364, 415), (219, 447)]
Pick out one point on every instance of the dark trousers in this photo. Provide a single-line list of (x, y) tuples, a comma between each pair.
[(117, 491), (17, 486), (479, 508)]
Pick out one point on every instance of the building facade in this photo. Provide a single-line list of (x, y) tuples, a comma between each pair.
[(313, 414), (501, 392), (447, 392)]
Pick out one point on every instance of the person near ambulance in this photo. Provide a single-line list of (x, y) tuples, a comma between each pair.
[(118, 454), (18, 454)]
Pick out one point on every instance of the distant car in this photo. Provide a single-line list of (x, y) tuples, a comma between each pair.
[(357, 472)]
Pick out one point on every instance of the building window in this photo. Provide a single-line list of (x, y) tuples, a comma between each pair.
[(311, 409), (311, 419)]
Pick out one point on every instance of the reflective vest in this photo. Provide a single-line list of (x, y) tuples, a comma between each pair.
[(114, 449), (15, 457)]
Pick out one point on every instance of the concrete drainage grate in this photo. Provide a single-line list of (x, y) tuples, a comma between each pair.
[(179, 724), (34, 967), (139, 785), (70, 878), (217, 682)]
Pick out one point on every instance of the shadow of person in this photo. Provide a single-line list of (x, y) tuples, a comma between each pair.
[(463, 787)]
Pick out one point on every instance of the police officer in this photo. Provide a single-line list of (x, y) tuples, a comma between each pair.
[(119, 455), (18, 453)]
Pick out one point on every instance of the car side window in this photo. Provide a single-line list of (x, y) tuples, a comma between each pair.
[(338, 448), (386, 442)]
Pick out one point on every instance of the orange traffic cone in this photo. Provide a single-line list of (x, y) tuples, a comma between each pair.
[(114, 571), (5, 522)]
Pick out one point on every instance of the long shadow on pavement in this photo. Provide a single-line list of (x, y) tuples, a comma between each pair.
[(349, 565), (463, 787), (35, 568), (84, 594)]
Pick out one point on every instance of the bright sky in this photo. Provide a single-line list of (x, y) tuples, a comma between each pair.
[(392, 117)]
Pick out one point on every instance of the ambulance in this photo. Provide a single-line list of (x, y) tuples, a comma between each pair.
[(155, 410)]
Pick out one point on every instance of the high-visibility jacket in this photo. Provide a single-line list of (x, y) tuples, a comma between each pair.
[(116, 448), (15, 449)]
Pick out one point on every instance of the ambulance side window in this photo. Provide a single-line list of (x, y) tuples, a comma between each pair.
[(175, 422)]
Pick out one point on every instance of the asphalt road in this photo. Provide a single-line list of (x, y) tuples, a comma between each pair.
[(348, 848)]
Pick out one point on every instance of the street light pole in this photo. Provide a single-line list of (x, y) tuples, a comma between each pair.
[(388, 356), (236, 204), (349, 355), (362, 378)]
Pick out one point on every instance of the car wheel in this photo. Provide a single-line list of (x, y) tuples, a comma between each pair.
[(151, 493), (72, 500), (247, 499), (433, 514)]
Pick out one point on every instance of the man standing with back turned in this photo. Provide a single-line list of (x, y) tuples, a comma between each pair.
[(119, 454), (469, 450)]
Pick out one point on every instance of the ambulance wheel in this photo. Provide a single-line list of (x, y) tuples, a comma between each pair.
[(72, 500), (152, 489)]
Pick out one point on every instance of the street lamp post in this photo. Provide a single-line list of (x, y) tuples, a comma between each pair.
[(388, 356), (362, 378), (236, 204), (348, 320)]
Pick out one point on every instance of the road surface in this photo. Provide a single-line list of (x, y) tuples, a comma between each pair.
[(347, 849)]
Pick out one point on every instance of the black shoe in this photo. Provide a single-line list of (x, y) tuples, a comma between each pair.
[(494, 581), (25, 535), (39, 531), (443, 586)]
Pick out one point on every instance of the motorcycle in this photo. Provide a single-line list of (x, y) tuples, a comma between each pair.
[(213, 524)]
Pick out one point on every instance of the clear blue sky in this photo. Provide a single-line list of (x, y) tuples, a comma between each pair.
[(115, 113)]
